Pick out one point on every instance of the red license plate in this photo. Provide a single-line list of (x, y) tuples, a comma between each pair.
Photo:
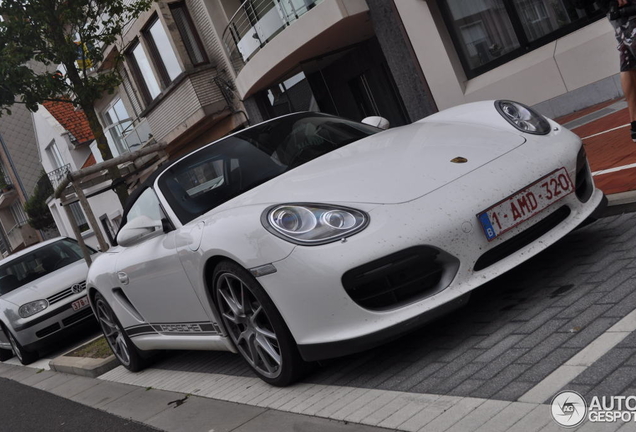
[(80, 304), (525, 204)]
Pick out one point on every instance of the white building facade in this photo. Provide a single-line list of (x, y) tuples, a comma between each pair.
[(61, 151)]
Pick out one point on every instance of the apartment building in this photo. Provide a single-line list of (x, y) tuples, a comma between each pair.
[(405, 59), (20, 173), (177, 86)]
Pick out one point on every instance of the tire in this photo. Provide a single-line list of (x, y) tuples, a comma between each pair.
[(25, 357), (124, 349), (5, 354), (255, 326)]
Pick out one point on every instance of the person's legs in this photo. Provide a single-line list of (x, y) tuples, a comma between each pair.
[(627, 49), (628, 81)]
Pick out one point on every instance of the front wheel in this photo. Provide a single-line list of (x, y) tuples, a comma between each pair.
[(121, 345), (255, 326), (25, 357)]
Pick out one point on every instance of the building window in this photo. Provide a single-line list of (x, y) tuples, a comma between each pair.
[(54, 155), (117, 123), (18, 214), (79, 217), (489, 33), (142, 72), (164, 59), (188, 33)]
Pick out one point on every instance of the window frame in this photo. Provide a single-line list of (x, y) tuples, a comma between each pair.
[(135, 70), (109, 127), (525, 45), (155, 55), (190, 23)]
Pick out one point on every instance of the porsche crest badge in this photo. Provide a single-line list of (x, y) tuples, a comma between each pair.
[(459, 160)]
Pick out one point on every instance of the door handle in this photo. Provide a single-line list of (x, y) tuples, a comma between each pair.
[(123, 278)]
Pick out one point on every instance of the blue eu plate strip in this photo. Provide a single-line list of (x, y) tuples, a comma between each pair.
[(488, 229)]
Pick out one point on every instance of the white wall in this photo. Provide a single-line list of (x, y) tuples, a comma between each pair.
[(584, 57), (48, 129)]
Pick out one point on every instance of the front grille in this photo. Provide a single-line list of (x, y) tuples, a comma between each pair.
[(583, 183), (65, 293), (400, 278), (77, 317), (522, 239), (47, 330)]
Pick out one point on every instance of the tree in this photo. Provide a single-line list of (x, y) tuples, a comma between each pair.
[(48, 48), (40, 216)]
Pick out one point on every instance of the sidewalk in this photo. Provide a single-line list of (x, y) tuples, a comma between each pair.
[(171, 411)]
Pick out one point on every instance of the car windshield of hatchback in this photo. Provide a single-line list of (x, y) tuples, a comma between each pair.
[(40, 262), (230, 167)]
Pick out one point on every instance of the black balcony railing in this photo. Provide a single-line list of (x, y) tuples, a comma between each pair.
[(56, 176), (257, 22)]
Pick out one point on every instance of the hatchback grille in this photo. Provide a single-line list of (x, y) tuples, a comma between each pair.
[(47, 330), (65, 293), (77, 317), (522, 239), (400, 278)]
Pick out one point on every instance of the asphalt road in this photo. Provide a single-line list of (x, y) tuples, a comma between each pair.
[(26, 409)]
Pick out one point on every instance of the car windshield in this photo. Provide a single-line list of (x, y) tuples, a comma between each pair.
[(40, 262), (230, 167)]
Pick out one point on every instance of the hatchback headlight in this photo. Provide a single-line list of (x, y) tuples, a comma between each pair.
[(313, 224), (523, 118), (26, 310)]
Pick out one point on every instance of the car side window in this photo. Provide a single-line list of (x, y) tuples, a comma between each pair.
[(146, 205)]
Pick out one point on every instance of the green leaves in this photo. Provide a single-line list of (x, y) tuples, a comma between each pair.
[(48, 49)]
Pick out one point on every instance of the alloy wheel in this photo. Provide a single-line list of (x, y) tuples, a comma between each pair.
[(249, 326), (113, 332)]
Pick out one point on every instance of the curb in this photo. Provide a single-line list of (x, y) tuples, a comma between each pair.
[(88, 367), (619, 203)]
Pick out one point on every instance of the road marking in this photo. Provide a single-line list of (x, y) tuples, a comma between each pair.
[(607, 131), (612, 170), (578, 363)]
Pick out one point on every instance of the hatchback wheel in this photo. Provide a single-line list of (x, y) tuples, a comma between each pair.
[(25, 357), (255, 326), (121, 345)]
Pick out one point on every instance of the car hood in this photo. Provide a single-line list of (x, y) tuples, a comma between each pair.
[(48, 285), (391, 167)]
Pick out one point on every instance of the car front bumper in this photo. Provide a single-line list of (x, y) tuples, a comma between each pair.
[(50, 326), (308, 287)]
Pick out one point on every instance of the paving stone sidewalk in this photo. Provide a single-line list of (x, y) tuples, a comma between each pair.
[(515, 331), (171, 411)]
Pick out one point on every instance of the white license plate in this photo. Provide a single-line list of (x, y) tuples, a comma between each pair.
[(80, 304), (525, 204)]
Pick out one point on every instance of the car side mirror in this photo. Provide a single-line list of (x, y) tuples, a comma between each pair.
[(377, 121), (137, 229)]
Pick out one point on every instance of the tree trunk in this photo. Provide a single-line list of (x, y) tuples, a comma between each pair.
[(102, 144)]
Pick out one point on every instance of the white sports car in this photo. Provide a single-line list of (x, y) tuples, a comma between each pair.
[(309, 236)]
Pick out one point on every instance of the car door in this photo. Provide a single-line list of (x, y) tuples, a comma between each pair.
[(151, 274)]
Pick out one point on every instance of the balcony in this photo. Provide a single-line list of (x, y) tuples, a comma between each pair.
[(266, 39), (258, 22), (56, 176), (7, 196), (137, 134)]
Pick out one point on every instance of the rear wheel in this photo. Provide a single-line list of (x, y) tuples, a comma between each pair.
[(25, 357), (121, 345), (255, 326)]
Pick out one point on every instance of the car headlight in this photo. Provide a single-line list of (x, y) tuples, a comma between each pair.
[(26, 310), (313, 224), (523, 118)]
